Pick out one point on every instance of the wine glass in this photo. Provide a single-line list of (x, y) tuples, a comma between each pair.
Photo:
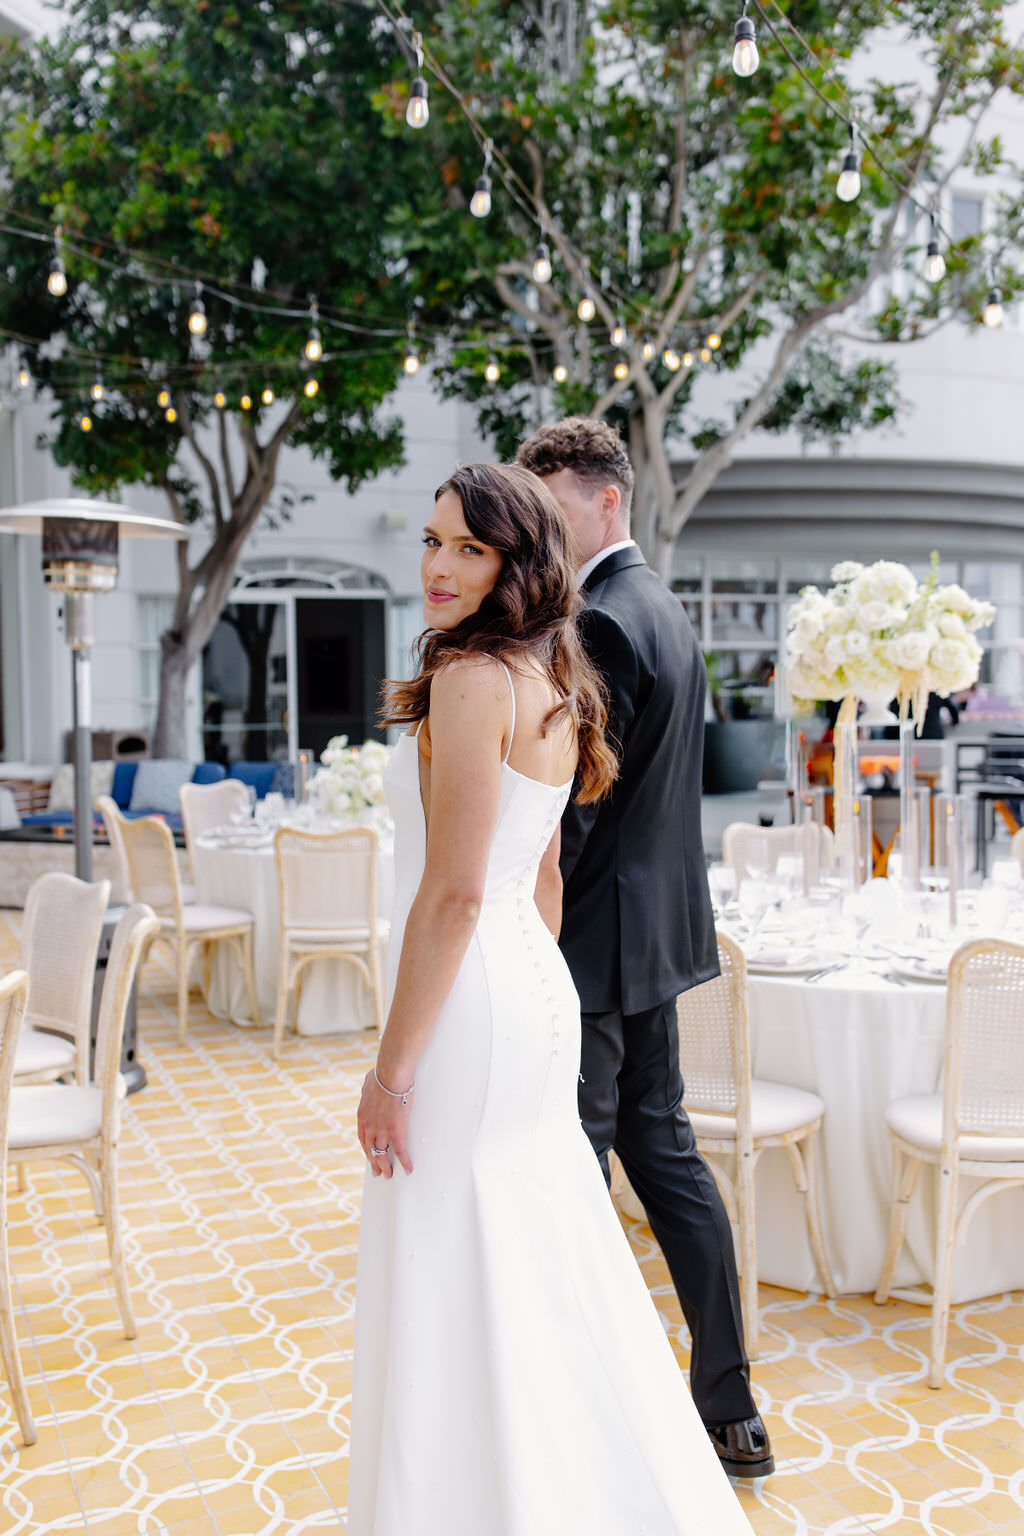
[(722, 885)]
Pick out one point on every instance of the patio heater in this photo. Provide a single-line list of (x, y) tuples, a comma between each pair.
[(80, 550)]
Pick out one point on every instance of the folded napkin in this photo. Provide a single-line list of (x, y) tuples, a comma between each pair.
[(780, 955)]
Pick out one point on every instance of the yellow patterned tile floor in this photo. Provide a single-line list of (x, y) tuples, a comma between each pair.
[(228, 1415)]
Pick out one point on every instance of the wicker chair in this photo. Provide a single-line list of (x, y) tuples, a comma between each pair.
[(14, 989), (735, 1115), (205, 806), (153, 870), (80, 1123), (974, 1128), (60, 938), (741, 840), (327, 890), (113, 823)]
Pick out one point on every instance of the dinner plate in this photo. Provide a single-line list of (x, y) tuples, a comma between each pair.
[(920, 970), (805, 965)]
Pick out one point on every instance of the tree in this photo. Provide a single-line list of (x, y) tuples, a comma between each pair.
[(223, 138), (694, 204)]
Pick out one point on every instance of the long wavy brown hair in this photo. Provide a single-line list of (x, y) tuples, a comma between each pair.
[(531, 611)]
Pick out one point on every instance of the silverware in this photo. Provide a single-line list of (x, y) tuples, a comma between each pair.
[(826, 970)]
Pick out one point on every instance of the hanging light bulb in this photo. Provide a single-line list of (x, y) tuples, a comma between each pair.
[(618, 333), (85, 422), (560, 373), (586, 308), (647, 351), (97, 388), (246, 402), (705, 354), (714, 341), (417, 113), (313, 351), (197, 313), (480, 202), (745, 57), (993, 312), (267, 396), (542, 265), (848, 185), (171, 414), (220, 399), (311, 388), (621, 369), (492, 373), (57, 282), (687, 359), (164, 398), (670, 357), (24, 378)]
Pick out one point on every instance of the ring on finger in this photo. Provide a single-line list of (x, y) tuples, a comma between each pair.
[(380, 1151)]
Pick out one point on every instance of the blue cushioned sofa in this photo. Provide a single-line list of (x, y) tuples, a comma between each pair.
[(121, 793)]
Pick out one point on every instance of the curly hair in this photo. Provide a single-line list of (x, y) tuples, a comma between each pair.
[(591, 448), (531, 612)]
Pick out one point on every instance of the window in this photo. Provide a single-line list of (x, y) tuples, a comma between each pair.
[(153, 616), (966, 211)]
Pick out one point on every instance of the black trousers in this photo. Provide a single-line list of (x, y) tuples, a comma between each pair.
[(630, 1097)]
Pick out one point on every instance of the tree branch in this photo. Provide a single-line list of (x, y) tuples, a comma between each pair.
[(185, 417), (668, 279), (225, 456)]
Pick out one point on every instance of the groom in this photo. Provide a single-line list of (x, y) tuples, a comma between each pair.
[(637, 927)]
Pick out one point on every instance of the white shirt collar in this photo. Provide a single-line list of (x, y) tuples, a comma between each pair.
[(602, 554)]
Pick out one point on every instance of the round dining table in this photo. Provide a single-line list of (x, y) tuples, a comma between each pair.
[(241, 872), (860, 1040)]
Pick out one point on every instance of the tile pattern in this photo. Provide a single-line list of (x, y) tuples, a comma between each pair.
[(229, 1413)]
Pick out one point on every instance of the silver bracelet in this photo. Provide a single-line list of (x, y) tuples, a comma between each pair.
[(404, 1096)]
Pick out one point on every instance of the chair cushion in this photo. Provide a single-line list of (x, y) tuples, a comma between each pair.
[(200, 917), (62, 785), (121, 788), (775, 1108), (918, 1120), (259, 775), (47, 819), (354, 933), (208, 773), (53, 1115), (157, 783), (40, 1052)]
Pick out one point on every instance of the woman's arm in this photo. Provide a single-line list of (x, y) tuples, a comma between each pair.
[(469, 712), (548, 892)]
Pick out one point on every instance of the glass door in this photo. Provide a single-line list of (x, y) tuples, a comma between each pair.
[(245, 683)]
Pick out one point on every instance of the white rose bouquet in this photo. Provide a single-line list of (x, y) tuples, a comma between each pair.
[(880, 634), (351, 781)]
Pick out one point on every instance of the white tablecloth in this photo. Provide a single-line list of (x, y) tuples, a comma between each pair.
[(334, 997), (859, 1042)]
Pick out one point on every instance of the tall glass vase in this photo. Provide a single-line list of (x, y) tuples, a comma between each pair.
[(846, 785), (910, 832)]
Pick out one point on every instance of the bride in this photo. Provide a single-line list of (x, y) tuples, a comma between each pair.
[(512, 1377)]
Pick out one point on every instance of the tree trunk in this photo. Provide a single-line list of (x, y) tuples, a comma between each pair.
[(169, 733)]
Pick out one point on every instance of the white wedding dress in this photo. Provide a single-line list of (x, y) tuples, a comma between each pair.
[(512, 1377)]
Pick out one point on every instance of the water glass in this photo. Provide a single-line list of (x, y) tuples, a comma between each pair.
[(722, 885)]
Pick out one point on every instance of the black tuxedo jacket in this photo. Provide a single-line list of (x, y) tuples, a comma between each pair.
[(637, 926)]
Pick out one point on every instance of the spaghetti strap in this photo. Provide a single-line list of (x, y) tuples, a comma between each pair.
[(512, 691)]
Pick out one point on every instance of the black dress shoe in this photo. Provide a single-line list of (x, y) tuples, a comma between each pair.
[(744, 1448)]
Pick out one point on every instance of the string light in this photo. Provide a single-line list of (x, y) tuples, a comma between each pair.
[(622, 369), (57, 282), (480, 202), (560, 374), (934, 261), (618, 333), (670, 357), (705, 354), (164, 397), (310, 388), (97, 388), (647, 351), (171, 414), (85, 422), (220, 399), (267, 396), (197, 313), (542, 265), (313, 350), (586, 308), (411, 362), (993, 312), (246, 402), (492, 373), (714, 341), (417, 113), (687, 359), (24, 378), (745, 57), (848, 185)]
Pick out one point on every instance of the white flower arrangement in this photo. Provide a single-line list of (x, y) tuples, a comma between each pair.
[(351, 782), (880, 634)]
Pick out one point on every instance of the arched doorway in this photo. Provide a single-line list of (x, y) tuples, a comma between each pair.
[(297, 657)]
